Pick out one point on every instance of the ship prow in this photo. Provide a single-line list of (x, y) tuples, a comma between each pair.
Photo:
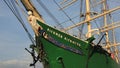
[(70, 52), (85, 35)]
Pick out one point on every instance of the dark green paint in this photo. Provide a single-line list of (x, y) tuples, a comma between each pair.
[(56, 57)]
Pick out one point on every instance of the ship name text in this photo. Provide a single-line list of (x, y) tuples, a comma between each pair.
[(63, 37)]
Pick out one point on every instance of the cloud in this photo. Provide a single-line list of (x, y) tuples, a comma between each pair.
[(17, 64), (14, 64)]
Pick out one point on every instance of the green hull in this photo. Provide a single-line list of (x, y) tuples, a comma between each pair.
[(67, 56)]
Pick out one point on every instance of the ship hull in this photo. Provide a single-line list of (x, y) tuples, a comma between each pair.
[(64, 51)]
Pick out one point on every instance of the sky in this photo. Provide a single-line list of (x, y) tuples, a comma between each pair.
[(14, 40)]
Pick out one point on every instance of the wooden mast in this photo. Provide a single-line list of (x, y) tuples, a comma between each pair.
[(97, 16), (28, 6), (105, 24), (88, 17), (107, 36)]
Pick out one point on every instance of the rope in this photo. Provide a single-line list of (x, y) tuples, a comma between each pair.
[(96, 22), (114, 38), (82, 26), (12, 6), (70, 19), (49, 13), (64, 12)]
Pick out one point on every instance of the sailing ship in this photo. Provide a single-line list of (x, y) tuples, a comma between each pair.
[(91, 43)]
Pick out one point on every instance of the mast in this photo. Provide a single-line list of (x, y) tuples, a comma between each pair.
[(97, 16), (28, 6), (88, 17), (105, 24), (107, 36)]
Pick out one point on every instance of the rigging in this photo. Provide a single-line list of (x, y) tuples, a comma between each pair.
[(49, 13), (13, 8), (92, 6), (81, 14), (66, 14)]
